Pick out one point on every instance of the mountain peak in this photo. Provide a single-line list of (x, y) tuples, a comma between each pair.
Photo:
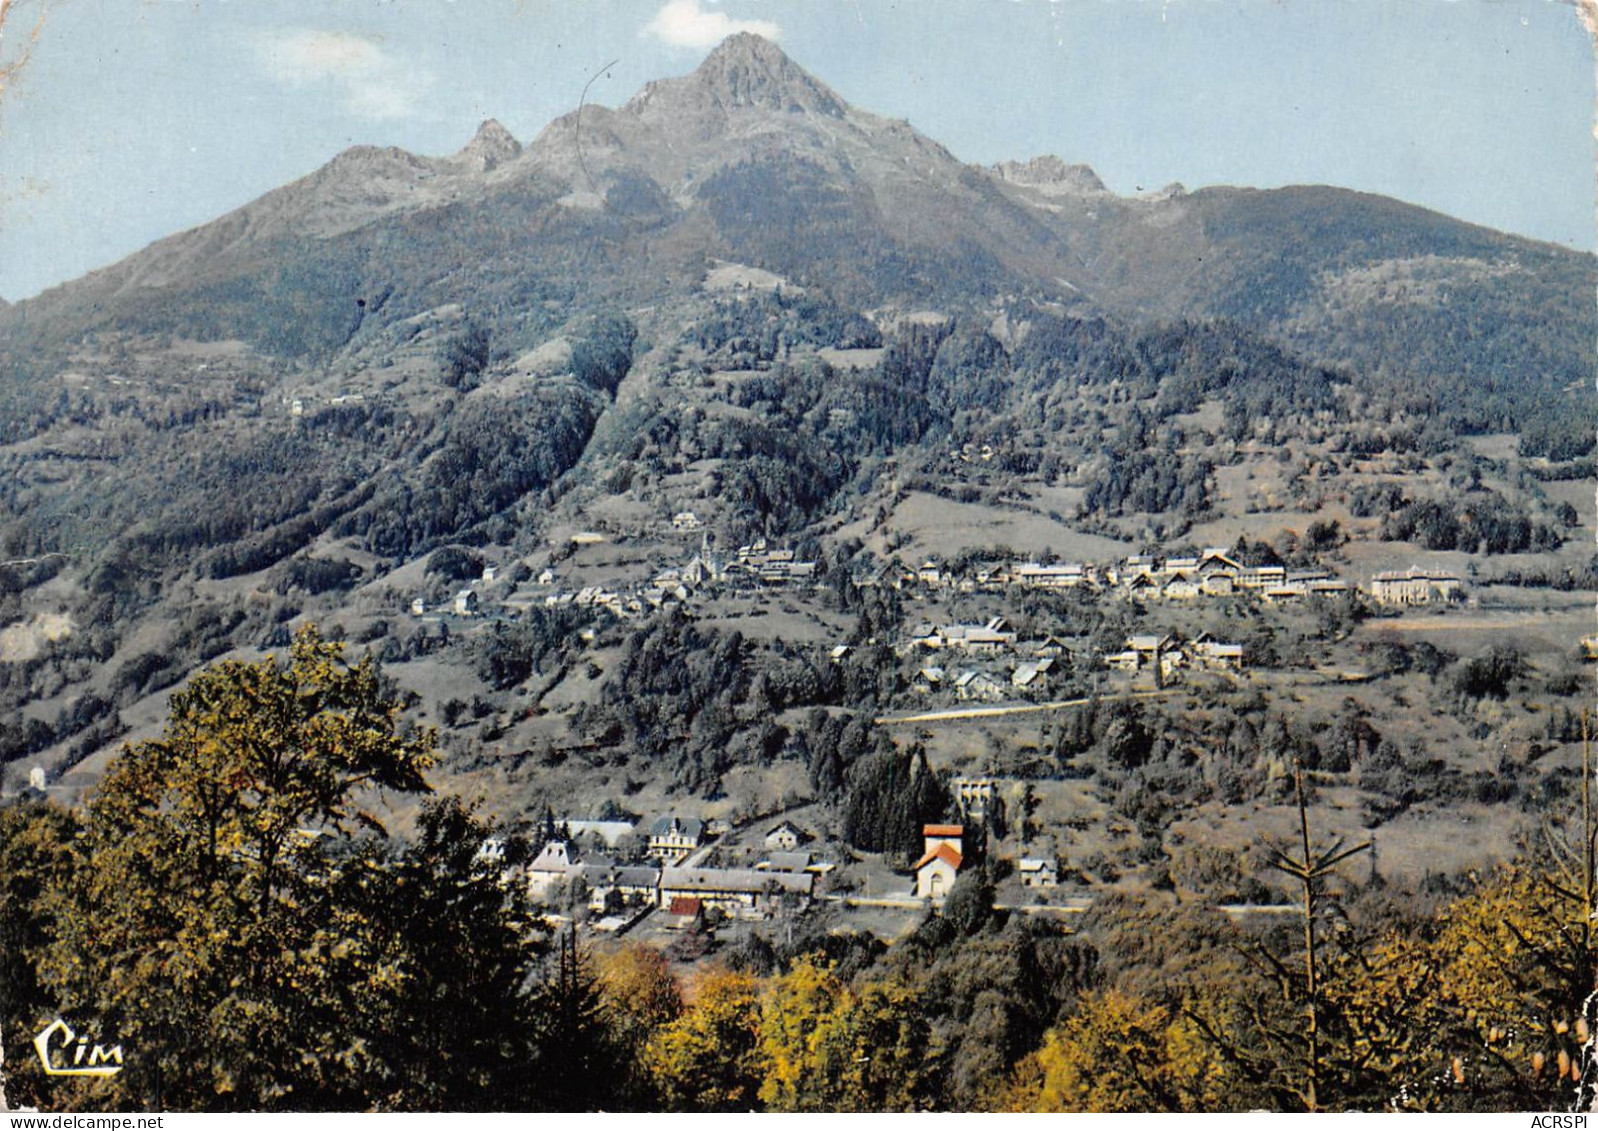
[(1051, 174), (747, 47), (492, 145), (745, 71)]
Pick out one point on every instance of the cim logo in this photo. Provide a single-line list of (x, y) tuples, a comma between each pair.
[(65, 1053)]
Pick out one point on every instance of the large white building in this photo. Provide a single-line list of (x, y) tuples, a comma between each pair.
[(1415, 586)]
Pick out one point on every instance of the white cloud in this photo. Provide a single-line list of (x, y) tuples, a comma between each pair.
[(685, 23), (305, 56), (373, 83)]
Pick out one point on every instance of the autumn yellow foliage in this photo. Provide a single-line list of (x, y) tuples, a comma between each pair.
[(1120, 1053)]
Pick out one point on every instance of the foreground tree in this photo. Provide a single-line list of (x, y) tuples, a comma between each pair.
[(36, 850), (1491, 1005), (639, 996), (453, 1025), (710, 1059), (829, 1046), (1120, 1053), (577, 1056), (251, 936)]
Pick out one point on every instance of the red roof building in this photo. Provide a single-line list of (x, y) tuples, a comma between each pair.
[(940, 864), (684, 912)]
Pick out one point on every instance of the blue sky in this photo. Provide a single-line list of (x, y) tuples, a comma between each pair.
[(125, 120)]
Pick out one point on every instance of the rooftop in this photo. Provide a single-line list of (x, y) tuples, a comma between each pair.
[(943, 852)]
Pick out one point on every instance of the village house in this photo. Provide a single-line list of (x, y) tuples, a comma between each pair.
[(1138, 565), (1227, 656), (992, 575), (466, 603), (593, 875), (1142, 652), (1067, 575), (636, 881), (1037, 873), (1142, 586), (685, 521), (978, 685), (633, 884), (770, 566), (994, 636), (940, 862), (975, 796), (1262, 577), (1300, 584), (418, 607), (1051, 646), (1034, 676), (596, 596), (744, 892), (1207, 652), (1148, 646), (685, 913), (785, 837), (900, 575), (1217, 559), (656, 597), (1304, 578), (606, 881), (776, 573), (1181, 587), (785, 862), (758, 554), (699, 572), (927, 681), (1125, 661), (549, 870), (672, 838)]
